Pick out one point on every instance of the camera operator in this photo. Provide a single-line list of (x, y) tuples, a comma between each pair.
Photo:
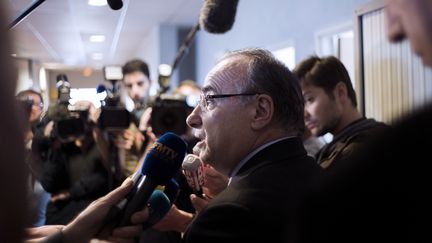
[(74, 169), (136, 82)]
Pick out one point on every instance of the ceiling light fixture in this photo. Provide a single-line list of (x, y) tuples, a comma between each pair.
[(97, 38), (97, 56), (97, 2)]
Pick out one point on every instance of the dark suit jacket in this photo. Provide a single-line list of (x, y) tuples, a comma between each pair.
[(382, 194), (261, 204)]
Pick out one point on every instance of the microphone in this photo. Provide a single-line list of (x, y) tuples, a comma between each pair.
[(161, 164), (159, 205), (193, 171), (171, 190), (115, 4), (100, 88), (217, 16)]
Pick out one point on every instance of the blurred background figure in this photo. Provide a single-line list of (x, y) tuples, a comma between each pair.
[(32, 105), (75, 169), (331, 107)]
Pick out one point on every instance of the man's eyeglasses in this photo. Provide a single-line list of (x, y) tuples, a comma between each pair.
[(39, 105), (207, 100)]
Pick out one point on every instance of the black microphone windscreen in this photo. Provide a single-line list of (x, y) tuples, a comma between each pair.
[(217, 16), (61, 77), (115, 4)]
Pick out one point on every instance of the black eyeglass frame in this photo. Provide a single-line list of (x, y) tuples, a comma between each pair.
[(218, 96)]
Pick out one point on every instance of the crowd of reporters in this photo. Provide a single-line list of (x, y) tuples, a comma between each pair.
[(70, 154), (335, 212)]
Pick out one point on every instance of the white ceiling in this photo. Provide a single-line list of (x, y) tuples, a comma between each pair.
[(58, 31)]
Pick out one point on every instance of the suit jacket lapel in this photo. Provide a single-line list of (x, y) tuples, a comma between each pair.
[(282, 150)]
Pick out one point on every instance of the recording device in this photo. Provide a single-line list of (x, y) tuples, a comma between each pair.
[(160, 165), (171, 190), (193, 170), (115, 4), (169, 112), (69, 123), (217, 16), (159, 205), (114, 115), (63, 89)]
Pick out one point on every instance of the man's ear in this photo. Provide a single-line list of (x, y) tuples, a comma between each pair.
[(263, 113), (341, 92)]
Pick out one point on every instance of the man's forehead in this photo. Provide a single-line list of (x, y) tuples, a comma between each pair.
[(136, 77), (224, 75)]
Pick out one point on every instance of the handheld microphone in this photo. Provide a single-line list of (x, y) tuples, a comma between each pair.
[(159, 205), (193, 171), (115, 4), (100, 88), (217, 16), (171, 190), (161, 164)]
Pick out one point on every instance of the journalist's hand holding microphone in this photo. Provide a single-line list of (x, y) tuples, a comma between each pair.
[(202, 178), (90, 223), (214, 183), (92, 219)]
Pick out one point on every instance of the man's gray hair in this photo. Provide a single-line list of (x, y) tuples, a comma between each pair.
[(267, 75)]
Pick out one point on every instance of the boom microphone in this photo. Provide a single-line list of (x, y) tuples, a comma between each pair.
[(217, 16), (161, 164), (193, 171), (115, 4)]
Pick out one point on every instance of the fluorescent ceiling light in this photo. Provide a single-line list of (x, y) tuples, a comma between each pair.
[(97, 56), (97, 2), (97, 38)]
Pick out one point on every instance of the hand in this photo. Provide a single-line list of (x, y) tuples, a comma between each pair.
[(125, 139), (39, 233), (48, 129), (145, 125), (62, 196), (214, 182), (88, 223), (145, 119), (175, 219), (199, 203)]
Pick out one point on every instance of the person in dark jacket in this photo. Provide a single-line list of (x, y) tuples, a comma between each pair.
[(382, 194), (331, 107), (249, 122)]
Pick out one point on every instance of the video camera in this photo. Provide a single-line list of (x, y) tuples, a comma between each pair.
[(69, 123), (114, 115), (169, 112)]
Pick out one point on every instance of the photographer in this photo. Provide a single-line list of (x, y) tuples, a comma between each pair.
[(136, 81), (75, 169)]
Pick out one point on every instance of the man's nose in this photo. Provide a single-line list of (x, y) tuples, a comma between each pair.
[(194, 119)]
